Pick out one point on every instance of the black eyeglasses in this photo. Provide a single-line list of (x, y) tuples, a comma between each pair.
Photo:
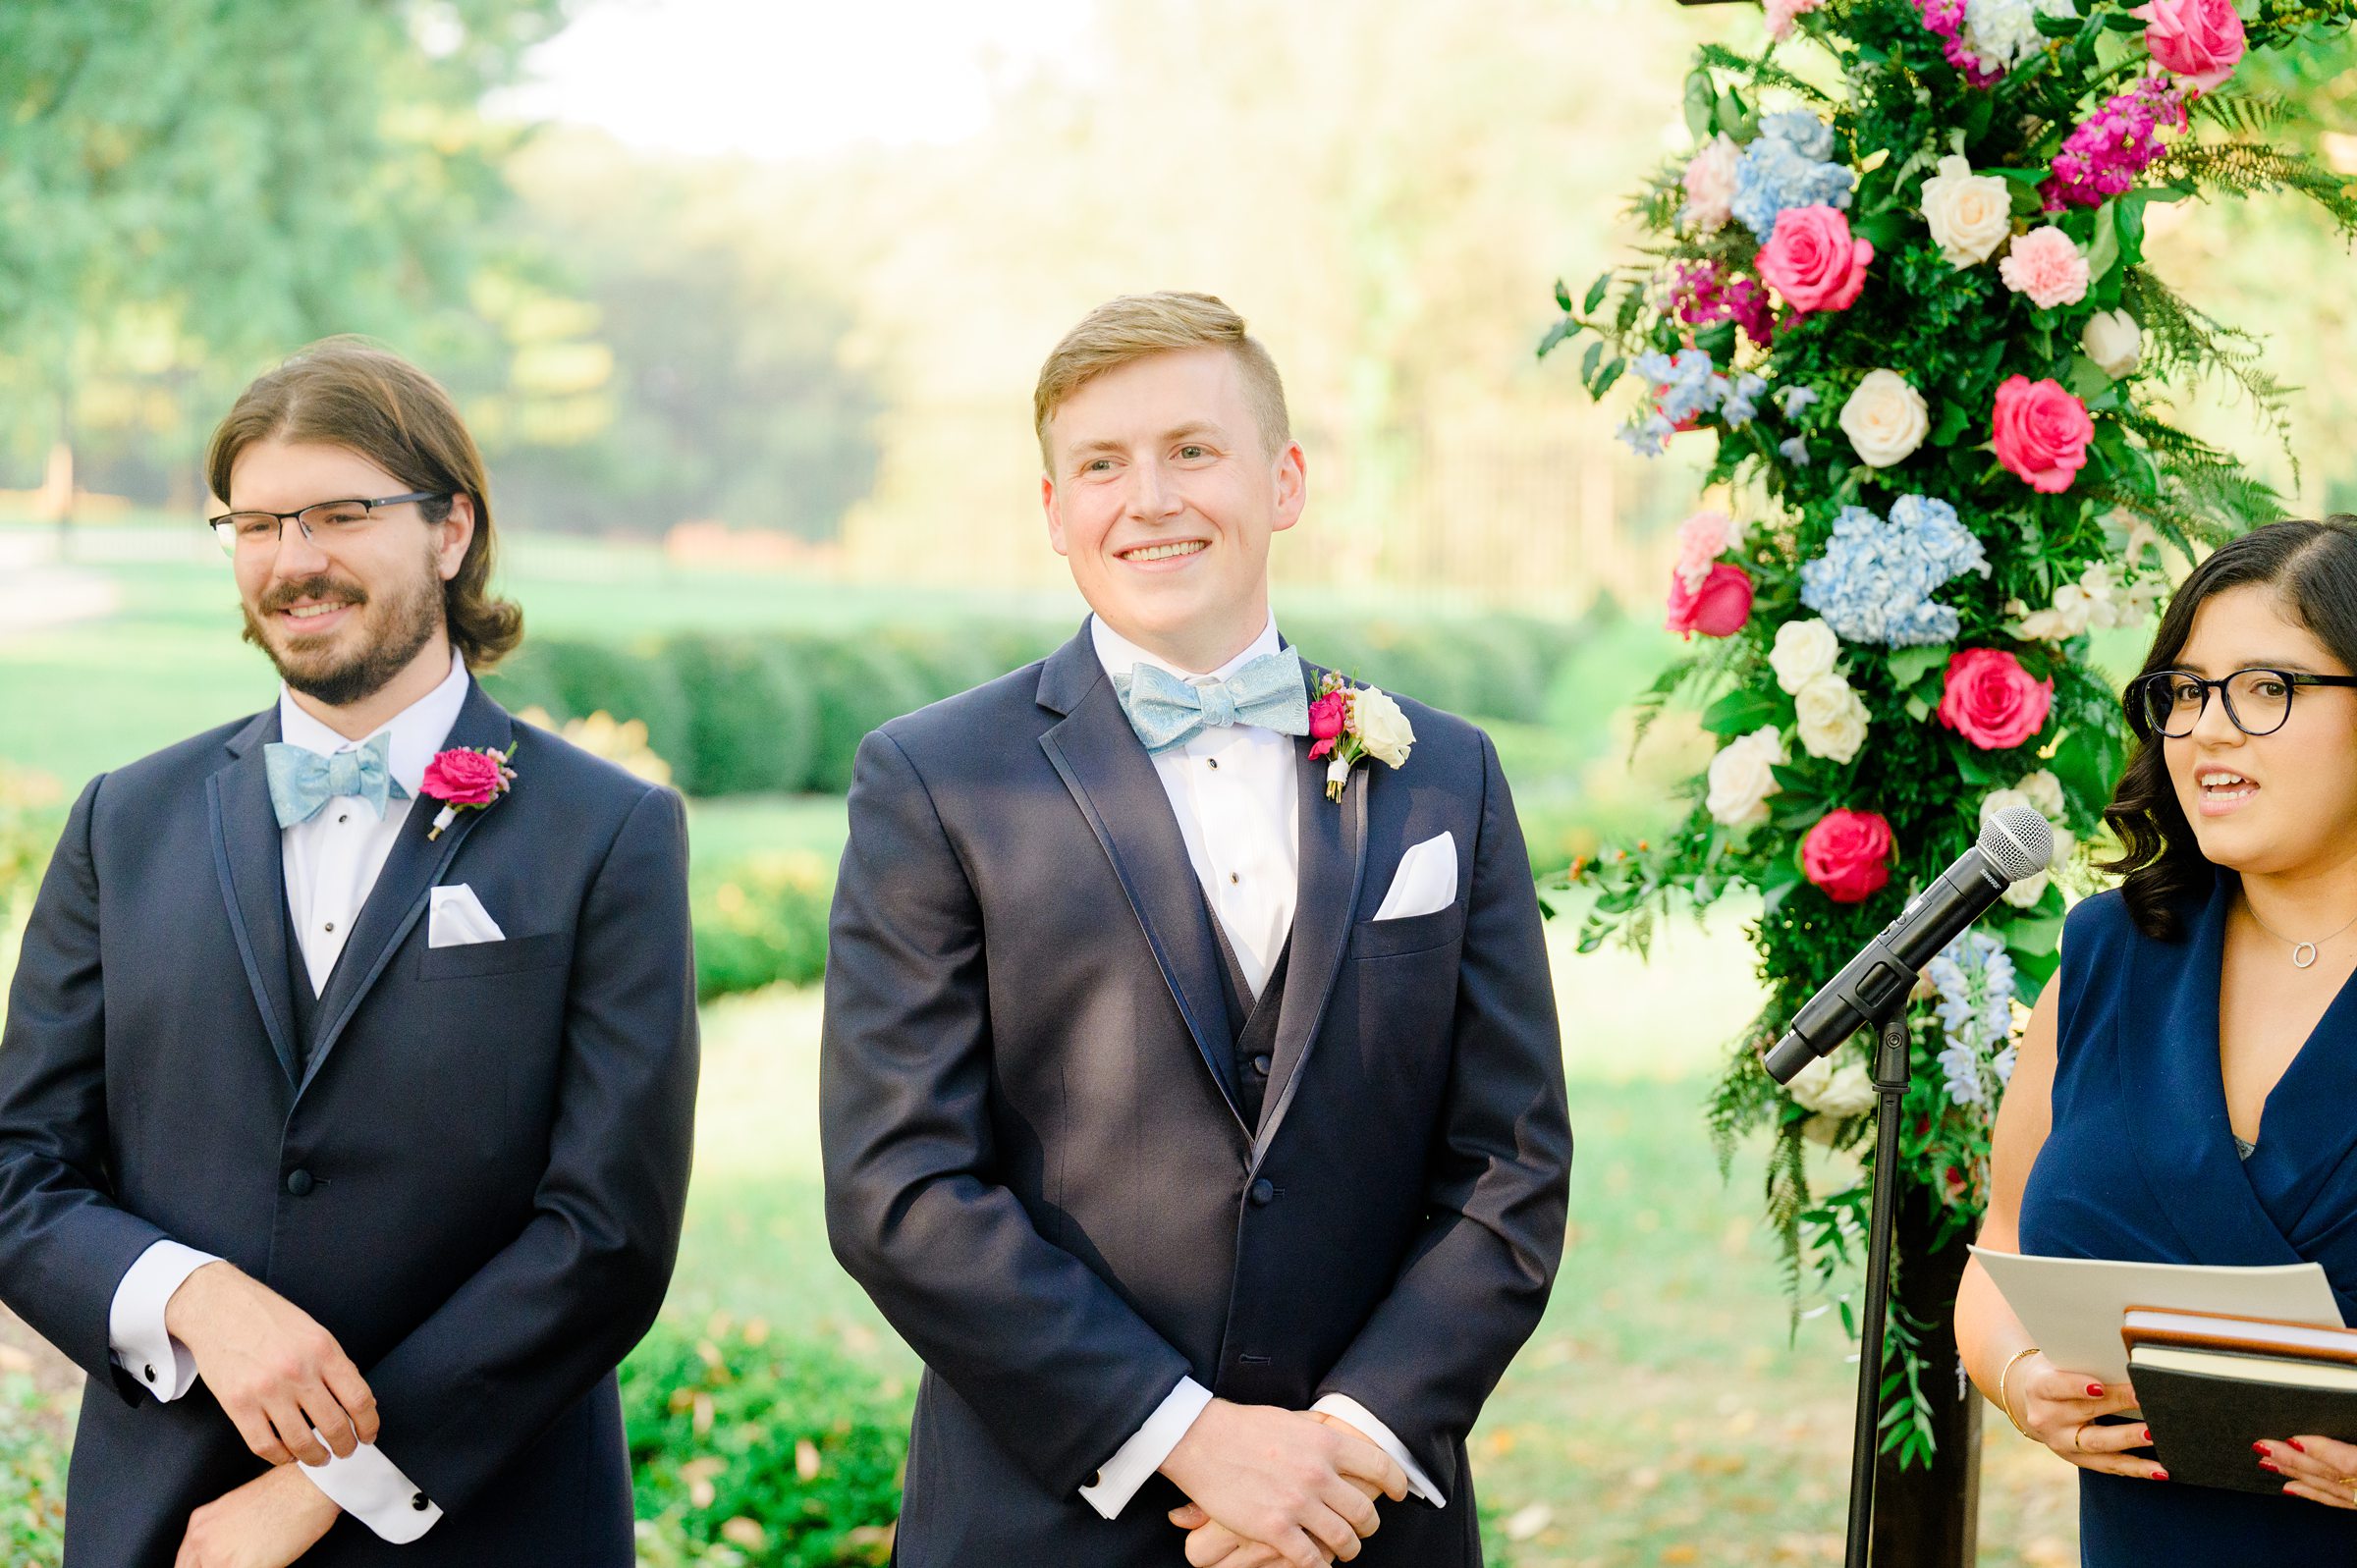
[(2258, 700), (321, 520)]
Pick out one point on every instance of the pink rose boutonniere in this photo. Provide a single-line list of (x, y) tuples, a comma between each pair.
[(1991, 700), (464, 780), (1347, 723)]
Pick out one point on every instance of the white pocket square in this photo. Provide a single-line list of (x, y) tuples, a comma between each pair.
[(455, 918), (1426, 881)]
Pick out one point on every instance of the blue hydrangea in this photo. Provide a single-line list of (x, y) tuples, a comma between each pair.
[(1974, 977), (1787, 167), (1795, 449), (1875, 582), (1791, 400), (1688, 385)]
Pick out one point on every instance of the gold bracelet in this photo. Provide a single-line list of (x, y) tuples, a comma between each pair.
[(2005, 1401)]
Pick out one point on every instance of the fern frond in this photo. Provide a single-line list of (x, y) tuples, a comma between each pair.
[(2250, 168), (1761, 73), (2178, 339)]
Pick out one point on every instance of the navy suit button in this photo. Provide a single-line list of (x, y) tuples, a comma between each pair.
[(299, 1183), (1262, 1193), (1261, 1064)]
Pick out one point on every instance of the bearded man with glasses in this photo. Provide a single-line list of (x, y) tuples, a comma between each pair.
[(344, 1131)]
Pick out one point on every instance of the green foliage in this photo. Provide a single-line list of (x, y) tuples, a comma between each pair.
[(751, 1448), (761, 921), (32, 1478)]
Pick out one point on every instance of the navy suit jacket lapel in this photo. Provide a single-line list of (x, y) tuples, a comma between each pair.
[(1332, 855), (248, 858), (1112, 781), (401, 892)]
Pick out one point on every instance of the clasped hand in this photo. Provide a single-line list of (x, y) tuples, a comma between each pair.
[(291, 1393), (1271, 1486)]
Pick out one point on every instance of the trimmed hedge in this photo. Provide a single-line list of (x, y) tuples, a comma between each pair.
[(784, 712), (759, 921), (748, 1448)]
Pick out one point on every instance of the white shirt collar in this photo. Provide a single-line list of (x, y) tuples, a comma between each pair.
[(1119, 655), (418, 730)]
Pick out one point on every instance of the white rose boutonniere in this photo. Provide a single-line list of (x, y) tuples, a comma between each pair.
[(1347, 723)]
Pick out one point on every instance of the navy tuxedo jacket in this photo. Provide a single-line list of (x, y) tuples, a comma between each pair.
[(1035, 1161), (476, 1185)]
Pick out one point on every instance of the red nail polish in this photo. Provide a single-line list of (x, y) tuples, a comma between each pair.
[(2148, 1434), (2095, 1390), (2268, 1466), (2258, 1448), (2296, 1442), (2160, 1474)]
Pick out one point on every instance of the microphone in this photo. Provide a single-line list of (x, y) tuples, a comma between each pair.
[(2014, 844)]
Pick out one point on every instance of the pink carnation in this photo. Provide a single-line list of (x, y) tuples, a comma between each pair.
[(1781, 15), (1717, 608), (1991, 700), (2047, 265), (1702, 539), (2201, 40), (1847, 854), (2040, 433), (1812, 261)]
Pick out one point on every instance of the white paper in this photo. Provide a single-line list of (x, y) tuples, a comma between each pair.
[(2072, 1306), (457, 918), (1425, 882)]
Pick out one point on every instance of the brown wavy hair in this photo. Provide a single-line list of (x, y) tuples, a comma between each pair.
[(350, 393), (2313, 569)]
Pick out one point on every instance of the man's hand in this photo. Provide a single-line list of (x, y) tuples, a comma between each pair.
[(279, 1375), (1214, 1545), (1301, 1486), (267, 1523)]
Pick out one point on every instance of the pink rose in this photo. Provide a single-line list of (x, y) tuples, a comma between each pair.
[(1716, 609), (1702, 539), (1992, 701), (464, 778), (1847, 854), (2042, 433), (1328, 716), (2047, 265), (2201, 40), (1812, 261)]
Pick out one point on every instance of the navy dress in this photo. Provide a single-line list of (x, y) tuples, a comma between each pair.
[(2142, 1164)]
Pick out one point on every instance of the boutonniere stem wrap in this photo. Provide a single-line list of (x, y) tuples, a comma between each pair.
[(465, 780), (1348, 723)]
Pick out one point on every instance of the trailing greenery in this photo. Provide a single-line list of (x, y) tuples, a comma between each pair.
[(748, 1447), (1782, 337)]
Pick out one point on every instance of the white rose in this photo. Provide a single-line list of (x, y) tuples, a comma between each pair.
[(2045, 791), (1996, 800), (1837, 1091), (1742, 777), (2114, 342), (1832, 721), (1803, 651), (2028, 891), (1380, 727), (1970, 214), (1886, 419)]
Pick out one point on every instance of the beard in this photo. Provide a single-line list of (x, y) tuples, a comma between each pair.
[(393, 632)]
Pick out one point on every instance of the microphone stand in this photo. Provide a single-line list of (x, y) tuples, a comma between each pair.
[(1891, 1070)]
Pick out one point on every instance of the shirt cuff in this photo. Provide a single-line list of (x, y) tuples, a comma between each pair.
[(1345, 1408), (372, 1490), (1138, 1458), (136, 1335)]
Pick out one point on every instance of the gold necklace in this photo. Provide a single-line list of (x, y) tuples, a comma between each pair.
[(2303, 953)]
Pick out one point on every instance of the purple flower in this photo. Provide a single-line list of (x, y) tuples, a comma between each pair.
[(2102, 158)]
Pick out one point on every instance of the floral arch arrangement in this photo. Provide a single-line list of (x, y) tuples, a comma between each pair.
[(1900, 279)]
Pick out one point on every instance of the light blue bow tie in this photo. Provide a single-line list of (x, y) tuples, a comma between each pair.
[(1166, 711), (301, 780)]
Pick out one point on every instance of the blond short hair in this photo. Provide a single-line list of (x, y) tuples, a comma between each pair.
[(1136, 326)]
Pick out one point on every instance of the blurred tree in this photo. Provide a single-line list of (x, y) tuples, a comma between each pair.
[(188, 186)]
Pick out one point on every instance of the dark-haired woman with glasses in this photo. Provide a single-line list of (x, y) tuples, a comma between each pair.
[(2186, 1090)]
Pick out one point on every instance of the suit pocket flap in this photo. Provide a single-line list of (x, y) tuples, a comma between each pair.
[(1378, 938), (511, 956)]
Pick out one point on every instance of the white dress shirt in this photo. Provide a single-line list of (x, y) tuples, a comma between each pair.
[(332, 861), (1237, 797)]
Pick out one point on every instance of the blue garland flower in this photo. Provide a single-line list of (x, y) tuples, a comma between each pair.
[(1688, 385), (1875, 582), (1787, 167), (1974, 976)]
